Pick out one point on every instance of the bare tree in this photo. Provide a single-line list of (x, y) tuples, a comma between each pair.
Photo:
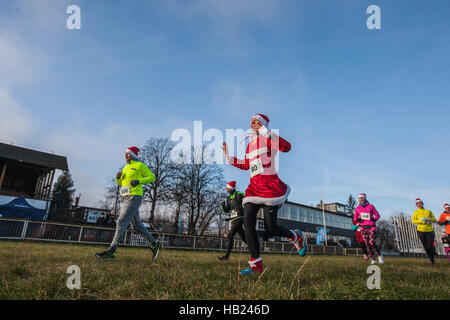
[(112, 200), (210, 211), (156, 154), (177, 194), (386, 235), (203, 185), (219, 219)]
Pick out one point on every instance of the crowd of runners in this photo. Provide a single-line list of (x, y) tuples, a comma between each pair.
[(266, 193)]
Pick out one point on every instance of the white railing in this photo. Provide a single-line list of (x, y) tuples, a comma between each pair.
[(62, 232), (408, 241)]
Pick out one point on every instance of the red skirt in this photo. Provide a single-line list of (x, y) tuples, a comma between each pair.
[(268, 190)]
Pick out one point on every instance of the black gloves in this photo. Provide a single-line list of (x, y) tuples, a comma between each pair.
[(119, 174), (134, 183)]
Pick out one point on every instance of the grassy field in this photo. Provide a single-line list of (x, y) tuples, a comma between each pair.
[(31, 270)]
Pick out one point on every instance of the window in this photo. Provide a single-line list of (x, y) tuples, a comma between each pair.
[(318, 218), (294, 214), (260, 225), (309, 216), (301, 214), (282, 213)]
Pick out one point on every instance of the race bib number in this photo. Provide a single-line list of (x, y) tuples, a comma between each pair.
[(365, 215), (256, 167), (125, 191), (234, 213)]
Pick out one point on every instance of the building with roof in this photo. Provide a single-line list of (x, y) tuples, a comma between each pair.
[(28, 173), (310, 220), (26, 179), (334, 207)]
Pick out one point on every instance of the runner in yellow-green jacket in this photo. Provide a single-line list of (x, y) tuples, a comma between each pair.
[(130, 181), (132, 177), (424, 219)]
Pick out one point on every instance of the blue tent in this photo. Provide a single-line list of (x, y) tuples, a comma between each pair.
[(20, 208)]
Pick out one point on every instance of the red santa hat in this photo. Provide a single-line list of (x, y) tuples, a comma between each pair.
[(231, 185), (263, 118), (418, 200), (446, 205), (362, 195), (133, 151)]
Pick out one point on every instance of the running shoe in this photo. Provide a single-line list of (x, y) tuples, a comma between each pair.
[(105, 255), (155, 247), (366, 258), (223, 258), (373, 262), (247, 271), (299, 242), (254, 265), (380, 260)]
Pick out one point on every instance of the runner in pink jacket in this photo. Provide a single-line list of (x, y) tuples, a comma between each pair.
[(366, 217)]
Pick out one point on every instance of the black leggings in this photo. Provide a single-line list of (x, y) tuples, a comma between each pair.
[(270, 224), (236, 227), (427, 239), (363, 247)]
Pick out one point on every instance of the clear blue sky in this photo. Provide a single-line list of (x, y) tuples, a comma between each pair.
[(365, 110)]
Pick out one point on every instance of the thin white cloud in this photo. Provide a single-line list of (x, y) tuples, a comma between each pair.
[(15, 120), (95, 156), (43, 18), (20, 61), (233, 99)]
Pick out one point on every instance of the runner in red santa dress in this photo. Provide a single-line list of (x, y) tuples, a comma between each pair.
[(265, 190)]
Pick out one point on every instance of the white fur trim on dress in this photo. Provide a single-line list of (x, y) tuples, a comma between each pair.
[(256, 153), (268, 201)]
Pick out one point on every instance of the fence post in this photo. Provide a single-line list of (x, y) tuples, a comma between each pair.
[(335, 251), (125, 238), (221, 243), (24, 230), (193, 246), (81, 233), (162, 240)]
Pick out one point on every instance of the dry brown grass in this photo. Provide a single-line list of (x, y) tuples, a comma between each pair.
[(31, 270)]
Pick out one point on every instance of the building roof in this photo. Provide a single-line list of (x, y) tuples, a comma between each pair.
[(333, 203), (48, 160), (318, 209)]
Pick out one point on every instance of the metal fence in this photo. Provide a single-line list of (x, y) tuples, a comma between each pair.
[(408, 242), (59, 232)]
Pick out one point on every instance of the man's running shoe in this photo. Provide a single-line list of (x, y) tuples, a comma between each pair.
[(366, 258), (299, 242), (373, 262), (254, 265), (223, 258), (155, 246), (105, 255), (380, 259)]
